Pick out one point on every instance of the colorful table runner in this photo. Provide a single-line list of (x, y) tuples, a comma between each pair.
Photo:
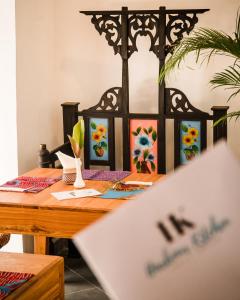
[(37, 184), (28, 184), (104, 175), (9, 281)]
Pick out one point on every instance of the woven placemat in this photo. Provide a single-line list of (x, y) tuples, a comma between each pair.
[(10, 281), (104, 175)]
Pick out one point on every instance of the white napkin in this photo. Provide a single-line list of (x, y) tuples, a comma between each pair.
[(67, 161)]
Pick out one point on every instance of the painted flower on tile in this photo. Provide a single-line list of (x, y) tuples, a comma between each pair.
[(137, 152), (151, 157), (187, 140), (193, 132), (190, 141), (143, 158), (101, 129), (98, 136), (144, 141)]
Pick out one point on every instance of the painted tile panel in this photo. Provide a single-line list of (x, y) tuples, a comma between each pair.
[(98, 139), (190, 140), (143, 146)]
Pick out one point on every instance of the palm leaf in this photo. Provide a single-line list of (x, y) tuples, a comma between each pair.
[(209, 42), (204, 41), (229, 78), (235, 114)]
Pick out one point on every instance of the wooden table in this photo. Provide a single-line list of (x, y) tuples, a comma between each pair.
[(42, 216), (48, 282)]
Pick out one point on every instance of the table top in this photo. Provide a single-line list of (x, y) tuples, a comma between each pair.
[(44, 199), (26, 263)]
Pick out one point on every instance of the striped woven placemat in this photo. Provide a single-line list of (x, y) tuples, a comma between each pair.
[(10, 281)]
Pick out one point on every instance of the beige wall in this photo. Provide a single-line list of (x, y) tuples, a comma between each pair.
[(60, 56), (37, 104), (8, 122)]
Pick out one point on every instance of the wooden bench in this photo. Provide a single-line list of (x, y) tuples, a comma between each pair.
[(48, 282)]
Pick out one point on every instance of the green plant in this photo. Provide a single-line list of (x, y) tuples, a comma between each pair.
[(77, 138), (211, 42)]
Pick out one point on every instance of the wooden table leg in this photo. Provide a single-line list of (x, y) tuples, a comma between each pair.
[(40, 244), (61, 280)]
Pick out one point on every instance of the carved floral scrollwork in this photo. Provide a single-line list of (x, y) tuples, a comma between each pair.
[(110, 101), (177, 26), (143, 25), (178, 103), (111, 26)]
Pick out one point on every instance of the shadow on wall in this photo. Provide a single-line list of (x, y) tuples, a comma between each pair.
[(145, 99)]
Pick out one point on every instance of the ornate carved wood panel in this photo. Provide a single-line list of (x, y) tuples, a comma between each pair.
[(144, 23), (177, 26), (111, 101), (177, 103), (121, 29), (110, 26)]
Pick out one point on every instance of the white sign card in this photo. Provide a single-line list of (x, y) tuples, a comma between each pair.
[(178, 241), (75, 194)]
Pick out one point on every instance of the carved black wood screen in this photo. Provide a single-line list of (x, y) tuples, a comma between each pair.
[(121, 28)]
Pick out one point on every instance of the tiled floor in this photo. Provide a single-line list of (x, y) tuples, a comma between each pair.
[(80, 283)]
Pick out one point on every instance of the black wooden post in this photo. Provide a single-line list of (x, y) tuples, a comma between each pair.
[(70, 118), (43, 157), (161, 93), (219, 130), (125, 88)]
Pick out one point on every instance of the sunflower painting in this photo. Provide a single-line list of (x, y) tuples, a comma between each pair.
[(143, 137), (190, 142), (98, 139)]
